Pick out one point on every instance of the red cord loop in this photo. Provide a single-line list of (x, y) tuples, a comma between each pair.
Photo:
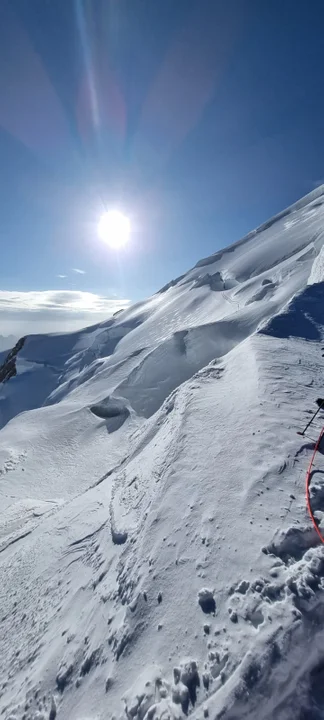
[(308, 479)]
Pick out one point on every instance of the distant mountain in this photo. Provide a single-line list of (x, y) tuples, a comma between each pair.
[(6, 343), (156, 555)]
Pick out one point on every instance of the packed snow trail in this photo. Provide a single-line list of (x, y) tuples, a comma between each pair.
[(156, 555)]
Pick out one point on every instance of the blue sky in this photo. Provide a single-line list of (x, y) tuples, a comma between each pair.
[(199, 119)]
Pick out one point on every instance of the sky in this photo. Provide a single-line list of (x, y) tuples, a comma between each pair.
[(197, 119)]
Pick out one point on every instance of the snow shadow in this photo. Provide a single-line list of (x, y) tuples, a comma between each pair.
[(113, 411), (303, 317)]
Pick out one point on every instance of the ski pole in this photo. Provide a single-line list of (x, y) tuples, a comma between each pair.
[(302, 432)]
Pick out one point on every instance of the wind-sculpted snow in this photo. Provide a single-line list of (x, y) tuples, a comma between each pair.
[(156, 557)]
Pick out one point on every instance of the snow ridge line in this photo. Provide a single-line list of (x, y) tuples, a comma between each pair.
[(308, 479)]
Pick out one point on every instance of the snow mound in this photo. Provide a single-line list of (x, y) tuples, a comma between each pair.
[(215, 281), (114, 411)]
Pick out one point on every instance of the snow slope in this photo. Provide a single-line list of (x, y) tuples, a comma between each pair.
[(156, 556)]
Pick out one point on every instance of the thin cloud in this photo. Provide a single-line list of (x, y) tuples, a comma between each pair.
[(59, 300), (49, 310), (80, 272), (61, 276)]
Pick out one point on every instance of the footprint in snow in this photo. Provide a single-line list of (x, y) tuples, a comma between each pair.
[(206, 601)]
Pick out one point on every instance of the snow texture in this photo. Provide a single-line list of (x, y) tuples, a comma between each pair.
[(156, 556)]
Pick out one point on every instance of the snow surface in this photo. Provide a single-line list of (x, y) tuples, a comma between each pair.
[(156, 556)]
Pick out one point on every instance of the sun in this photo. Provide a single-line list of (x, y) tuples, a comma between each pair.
[(114, 228)]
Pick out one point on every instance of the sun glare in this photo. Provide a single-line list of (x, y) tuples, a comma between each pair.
[(114, 228)]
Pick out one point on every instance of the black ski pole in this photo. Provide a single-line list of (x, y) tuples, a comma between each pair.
[(302, 432)]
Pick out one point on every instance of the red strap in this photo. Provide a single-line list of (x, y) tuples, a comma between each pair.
[(308, 478)]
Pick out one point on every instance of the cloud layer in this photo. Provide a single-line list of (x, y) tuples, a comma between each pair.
[(49, 310)]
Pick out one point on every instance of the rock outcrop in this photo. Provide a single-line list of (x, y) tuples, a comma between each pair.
[(8, 368)]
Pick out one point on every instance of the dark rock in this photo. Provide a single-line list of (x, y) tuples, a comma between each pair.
[(8, 368)]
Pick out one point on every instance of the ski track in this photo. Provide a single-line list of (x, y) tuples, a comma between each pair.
[(156, 556)]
